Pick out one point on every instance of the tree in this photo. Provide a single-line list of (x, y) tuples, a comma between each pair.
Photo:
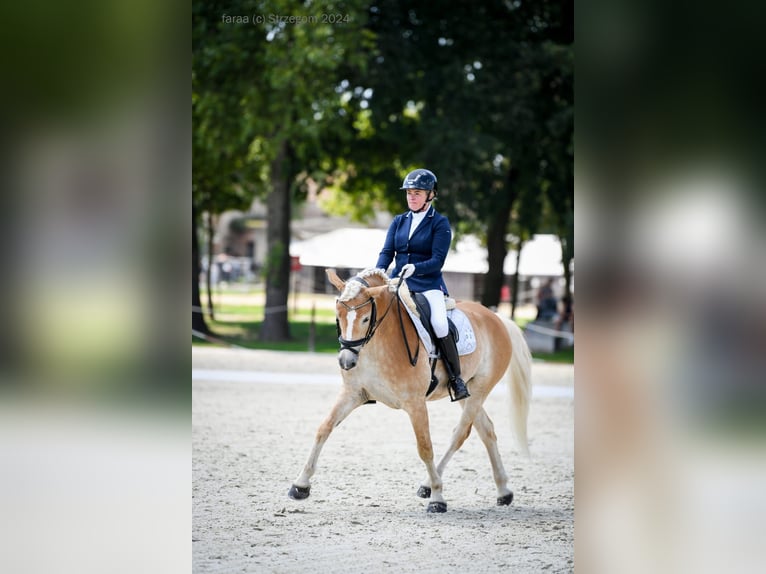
[(222, 176), (198, 319), (475, 103), (266, 91), (296, 100)]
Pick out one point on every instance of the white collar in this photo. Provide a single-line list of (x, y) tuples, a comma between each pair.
[(428, 212)]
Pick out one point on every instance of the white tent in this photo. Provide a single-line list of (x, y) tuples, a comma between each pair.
[(354, 248), (358, 248), (540, 256)]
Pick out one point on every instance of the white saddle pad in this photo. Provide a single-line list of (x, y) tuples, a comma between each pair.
[(466, 341)]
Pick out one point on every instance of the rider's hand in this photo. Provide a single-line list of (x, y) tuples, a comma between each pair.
[(407, 270)]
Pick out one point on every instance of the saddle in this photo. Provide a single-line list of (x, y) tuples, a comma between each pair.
[(424, 310), (460, 328)]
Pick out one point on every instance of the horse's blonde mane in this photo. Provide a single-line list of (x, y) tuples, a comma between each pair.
[(353, 288), (404, 295)]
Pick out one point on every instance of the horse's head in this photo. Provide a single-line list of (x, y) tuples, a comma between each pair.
[(356, 311)]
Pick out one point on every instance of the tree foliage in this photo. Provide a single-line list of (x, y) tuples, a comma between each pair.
[(481, 93), (263, 96)]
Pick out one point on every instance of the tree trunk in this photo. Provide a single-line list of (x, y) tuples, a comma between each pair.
[(210, 263), (566, 237), (497, 248), (496, 252), (275, 326), (566, 260), (198, 318), (515, 282)]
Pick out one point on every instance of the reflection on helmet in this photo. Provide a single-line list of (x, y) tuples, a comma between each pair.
[(419, 179)]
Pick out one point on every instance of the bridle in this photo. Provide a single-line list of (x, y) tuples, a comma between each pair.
[(355, 345)]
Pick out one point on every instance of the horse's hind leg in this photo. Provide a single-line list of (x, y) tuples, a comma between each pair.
[(419, 418), (486, 431), (344, 404)]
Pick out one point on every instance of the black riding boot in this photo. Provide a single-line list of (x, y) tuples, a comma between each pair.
[(452, 363)]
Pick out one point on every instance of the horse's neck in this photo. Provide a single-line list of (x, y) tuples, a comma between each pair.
[(391, 328)]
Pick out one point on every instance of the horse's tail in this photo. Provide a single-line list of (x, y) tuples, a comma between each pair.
[(518, 377)]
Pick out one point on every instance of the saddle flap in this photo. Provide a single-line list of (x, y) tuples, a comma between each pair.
[(424, 311), (467, 338)]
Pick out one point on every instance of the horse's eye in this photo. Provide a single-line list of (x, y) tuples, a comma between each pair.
[(366, 320)]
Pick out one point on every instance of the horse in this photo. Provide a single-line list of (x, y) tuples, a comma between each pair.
[(373, 327)]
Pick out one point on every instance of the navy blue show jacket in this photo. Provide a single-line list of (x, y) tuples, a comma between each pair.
[(427, 249)]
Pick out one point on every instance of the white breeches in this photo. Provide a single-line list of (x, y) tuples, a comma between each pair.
[(438, 312)]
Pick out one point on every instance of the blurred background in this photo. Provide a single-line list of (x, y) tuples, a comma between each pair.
[(670, 367), (97, 169), (94, 399)]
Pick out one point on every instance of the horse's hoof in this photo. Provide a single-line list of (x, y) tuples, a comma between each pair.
[(298, 492), (424, 492), (436, 506), (505, 500)]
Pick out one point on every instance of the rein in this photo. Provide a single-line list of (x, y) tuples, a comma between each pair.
[(355, 345), (413, 360)]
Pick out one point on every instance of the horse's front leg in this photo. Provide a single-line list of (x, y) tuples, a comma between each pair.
[(419, 418), (346, 402), (459, 435)]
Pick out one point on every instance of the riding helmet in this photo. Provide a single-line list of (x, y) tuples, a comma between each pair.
[(419, 179)]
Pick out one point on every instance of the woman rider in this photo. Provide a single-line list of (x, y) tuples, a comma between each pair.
[(418, 242)]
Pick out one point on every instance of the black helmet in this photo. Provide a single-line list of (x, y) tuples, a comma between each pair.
[(419, 179)]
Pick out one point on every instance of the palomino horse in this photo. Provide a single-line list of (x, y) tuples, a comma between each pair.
[(374, 330)]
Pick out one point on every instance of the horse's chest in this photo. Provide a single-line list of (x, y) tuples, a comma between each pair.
[(381, 378)]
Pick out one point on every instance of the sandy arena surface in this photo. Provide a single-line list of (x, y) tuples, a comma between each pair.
[(255, 414)]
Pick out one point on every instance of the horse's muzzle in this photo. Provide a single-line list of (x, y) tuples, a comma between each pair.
[(347, 359)]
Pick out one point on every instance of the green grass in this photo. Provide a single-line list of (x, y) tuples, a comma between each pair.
[(235, 289), (563, 356), (522, 321), (240, 325), (246, 334), (256, 312)]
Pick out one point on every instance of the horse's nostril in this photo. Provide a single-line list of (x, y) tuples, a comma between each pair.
[(347, 360), (346, 365)]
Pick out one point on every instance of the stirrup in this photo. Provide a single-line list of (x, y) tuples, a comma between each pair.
[(453, 394)]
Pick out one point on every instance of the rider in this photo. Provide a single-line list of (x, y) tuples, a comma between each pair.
[(418, 242)]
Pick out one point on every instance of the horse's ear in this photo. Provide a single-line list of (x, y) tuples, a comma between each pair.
[(335, 280)]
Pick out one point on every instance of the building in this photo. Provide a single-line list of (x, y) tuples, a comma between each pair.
[(350, 250), (320, 241)]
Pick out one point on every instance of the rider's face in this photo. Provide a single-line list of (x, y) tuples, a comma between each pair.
[(416, 198)]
